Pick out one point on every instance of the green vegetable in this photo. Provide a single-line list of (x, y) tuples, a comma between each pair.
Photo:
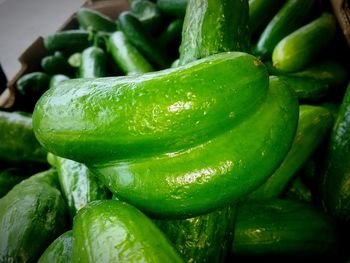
[(79, 186), (298, 190), (299, 48), (205, 238), (336, 175), (126, 56), (93, 63), (261, 12), (56, 64), (175, 8), (33, 84), (35, 209), (291, 16), (142, 40), (195, 180), (191, 151), (113, 231), (75, 60), (18, 142), (68, 41), (60, 250), (9, 178), (230, 33), (160, 111), (314, 125), (148, 13), (317, 81), (282, 230), (92, 19), (171, 33), (57, 79)]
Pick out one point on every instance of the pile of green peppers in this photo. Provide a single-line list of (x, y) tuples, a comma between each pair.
[(182, 131)]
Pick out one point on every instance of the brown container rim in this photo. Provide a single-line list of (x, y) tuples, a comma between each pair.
[(30, 57), (341, 9)]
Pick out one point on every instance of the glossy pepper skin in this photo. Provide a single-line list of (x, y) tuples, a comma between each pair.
[(182, 143)]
